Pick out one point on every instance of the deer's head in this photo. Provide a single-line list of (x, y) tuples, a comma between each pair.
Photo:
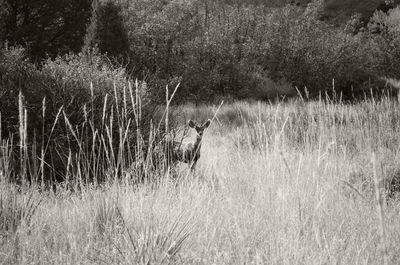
[(199, 129)]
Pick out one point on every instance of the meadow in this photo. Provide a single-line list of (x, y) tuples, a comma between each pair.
[(285, 183), (300, 165)]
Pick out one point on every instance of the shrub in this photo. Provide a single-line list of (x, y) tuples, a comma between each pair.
[(239, 50), (387, 41), (309, 53), (78, 108)]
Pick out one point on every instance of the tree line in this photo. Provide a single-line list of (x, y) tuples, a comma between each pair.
[(227, 48)]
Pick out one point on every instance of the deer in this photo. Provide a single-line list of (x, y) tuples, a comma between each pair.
[(183, 151)]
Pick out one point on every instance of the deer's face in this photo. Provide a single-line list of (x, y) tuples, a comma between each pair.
[(199, 129)]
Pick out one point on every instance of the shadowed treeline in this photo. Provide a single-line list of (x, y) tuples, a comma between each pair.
[(237, 49)]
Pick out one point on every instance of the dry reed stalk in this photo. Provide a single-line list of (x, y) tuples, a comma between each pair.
[(21, 134), (42, 147), (167, 122), (25, 145), (168, 102)]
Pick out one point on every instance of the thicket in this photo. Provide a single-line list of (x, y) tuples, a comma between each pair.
[(249, 51), (76, 112), (235, 49)]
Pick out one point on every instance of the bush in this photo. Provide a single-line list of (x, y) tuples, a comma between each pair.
[(309, 53), (387, 41), (239, 50), (78, 108)]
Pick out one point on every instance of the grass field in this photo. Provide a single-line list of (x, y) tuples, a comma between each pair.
[(289, 183)]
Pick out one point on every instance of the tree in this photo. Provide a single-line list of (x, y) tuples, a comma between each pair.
[(106, 30), (44, 28)]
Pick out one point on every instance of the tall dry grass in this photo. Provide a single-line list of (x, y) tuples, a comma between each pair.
[(290, 183)]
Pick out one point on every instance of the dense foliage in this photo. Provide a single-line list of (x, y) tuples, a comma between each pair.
[(76, 103), (45, 28), (238, 49), (106, 30)]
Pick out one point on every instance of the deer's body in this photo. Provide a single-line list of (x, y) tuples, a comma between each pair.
[(186, 152)]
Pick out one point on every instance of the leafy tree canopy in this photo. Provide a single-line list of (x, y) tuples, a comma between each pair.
[(44, 27), (106, 30)]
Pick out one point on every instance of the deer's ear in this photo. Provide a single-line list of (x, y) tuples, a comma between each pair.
[(191, 124), (206, 124)]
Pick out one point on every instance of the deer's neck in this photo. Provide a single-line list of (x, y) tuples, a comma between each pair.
[(197, 144)]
